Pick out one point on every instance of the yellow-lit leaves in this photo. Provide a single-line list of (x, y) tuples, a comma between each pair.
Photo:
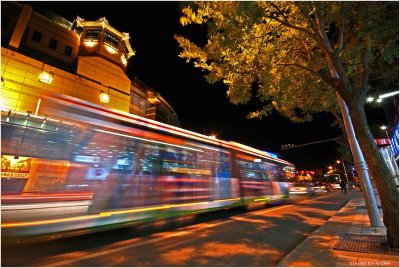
[(192, 52), (276, 45)]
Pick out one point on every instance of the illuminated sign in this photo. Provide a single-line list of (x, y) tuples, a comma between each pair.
[(87, 159), (394, 142), (11, 164), (382, 142), (14, 175)]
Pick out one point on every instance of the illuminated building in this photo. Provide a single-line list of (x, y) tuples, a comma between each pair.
[(45, 53)]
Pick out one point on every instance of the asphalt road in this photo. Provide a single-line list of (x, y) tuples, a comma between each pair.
[(230, 238)]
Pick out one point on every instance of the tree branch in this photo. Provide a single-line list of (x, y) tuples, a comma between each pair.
[(321, 28), (326, 77), (341, 28), (336, 67), (299, 66), (364, 67), (287, 24), (309, 53), (307, 17)]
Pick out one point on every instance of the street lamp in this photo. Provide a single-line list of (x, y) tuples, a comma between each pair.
[(370, 99), (344, 169), (287, 146), (45, 77), (104, 97), (385, 129), (383, 96)]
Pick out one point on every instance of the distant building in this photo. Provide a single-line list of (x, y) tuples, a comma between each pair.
[(43, 52)]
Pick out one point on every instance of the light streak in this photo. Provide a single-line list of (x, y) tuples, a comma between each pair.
[(33, 223), (388, 94), (161, 126), (108, 214), (134, 243), (37, 106), (261, 199), (153, 141)]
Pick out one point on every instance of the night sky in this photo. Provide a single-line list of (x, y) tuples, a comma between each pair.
[(202, 107)]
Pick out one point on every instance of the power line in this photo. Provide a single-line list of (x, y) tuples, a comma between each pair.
[(290, 146)]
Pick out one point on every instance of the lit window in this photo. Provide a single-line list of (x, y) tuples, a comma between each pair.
[(92, 34), (111, 40)]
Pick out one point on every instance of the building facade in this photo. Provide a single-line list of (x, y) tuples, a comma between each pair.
[(45, 53)]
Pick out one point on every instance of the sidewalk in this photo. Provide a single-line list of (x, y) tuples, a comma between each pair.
[(352, 220)]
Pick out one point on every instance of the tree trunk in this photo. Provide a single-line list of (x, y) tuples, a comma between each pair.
[(383, 178)]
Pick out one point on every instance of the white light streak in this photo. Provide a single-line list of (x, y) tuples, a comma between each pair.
[(137, 138), (388, 94)]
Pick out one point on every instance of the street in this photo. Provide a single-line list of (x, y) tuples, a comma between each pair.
[(229, 238)]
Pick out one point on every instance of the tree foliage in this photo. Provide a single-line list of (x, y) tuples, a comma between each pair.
[(270, 50), (295, 56)]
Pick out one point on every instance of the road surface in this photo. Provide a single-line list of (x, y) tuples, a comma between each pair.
[(229, 238)]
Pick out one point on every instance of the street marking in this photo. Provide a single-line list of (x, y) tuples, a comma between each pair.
[(175, 234)]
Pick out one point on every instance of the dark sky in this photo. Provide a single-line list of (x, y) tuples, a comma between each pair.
[(201, 107)]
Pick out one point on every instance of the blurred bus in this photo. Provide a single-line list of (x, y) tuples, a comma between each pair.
[(86, 168)]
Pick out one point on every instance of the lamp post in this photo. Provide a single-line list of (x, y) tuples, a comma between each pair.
[(385, 129), (383, 96), (390, 146), (344, 169), (361, 166)]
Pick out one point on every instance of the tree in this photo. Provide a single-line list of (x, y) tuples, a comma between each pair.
[(295, 56)]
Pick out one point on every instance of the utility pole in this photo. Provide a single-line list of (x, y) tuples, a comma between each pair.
[(361, 166), (359, 161)]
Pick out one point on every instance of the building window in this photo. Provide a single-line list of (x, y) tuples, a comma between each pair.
[(111, 40), (37, 37), (92, 34), (68, 50), (53, 43), (5, 21)]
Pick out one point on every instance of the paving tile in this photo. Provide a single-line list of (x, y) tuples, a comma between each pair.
[(349, 220)]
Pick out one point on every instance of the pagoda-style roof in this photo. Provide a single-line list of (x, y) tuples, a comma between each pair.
[(104, 24)]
